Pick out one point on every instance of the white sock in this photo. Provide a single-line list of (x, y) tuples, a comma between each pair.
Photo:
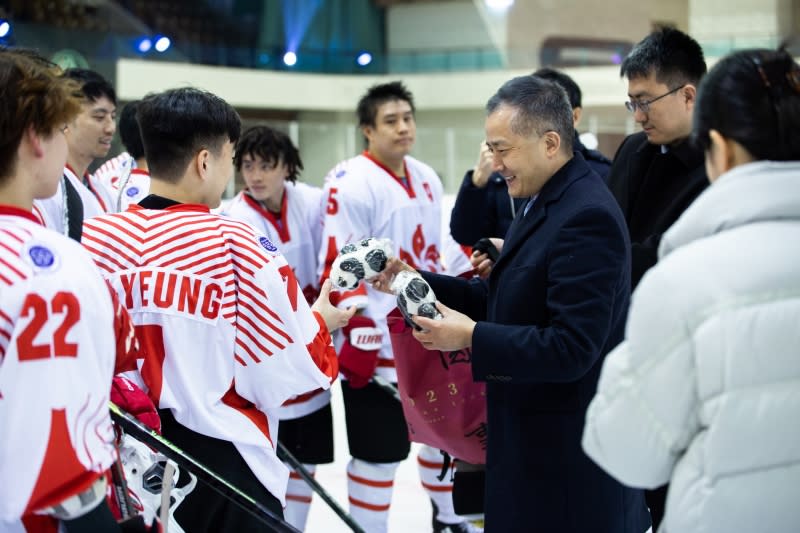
[(369, 486), (298, 498), (430, 462)]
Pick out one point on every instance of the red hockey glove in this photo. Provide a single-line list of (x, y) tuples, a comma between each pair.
[(130, 398), (358, 356)]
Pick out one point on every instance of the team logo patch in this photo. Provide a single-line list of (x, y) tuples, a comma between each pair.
[(132, 191), (41, 257), (268, 246), (341, 173)]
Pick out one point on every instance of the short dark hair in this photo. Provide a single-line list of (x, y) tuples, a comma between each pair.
[(674, 58), (272, 146), (566, 83), (34, 95), (541, 106), (752, 97), (378, 95), (93, 85), (177, 123), (129, 132)]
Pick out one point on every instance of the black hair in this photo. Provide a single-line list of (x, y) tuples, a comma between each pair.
[(566, 83), (541, 106), (752, 97), (93, 85), (129, 132), (378, 95), (272, 146), (674, 57), (178, 123)]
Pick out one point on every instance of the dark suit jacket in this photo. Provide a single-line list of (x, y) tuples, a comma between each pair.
[(653, 189), (489, 210), (554, 305)]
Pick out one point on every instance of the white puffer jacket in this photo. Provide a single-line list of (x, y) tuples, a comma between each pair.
[(705, 391)]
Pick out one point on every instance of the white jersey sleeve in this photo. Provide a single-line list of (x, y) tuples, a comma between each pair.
[(52, 211), (57, 357)]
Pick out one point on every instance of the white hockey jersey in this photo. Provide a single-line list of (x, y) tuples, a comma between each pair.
[(57, 357), (365, 199), (124, 181), (227, 333), (296, 232), (51, 211)]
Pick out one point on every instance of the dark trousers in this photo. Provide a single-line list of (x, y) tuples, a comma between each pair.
[(204, 509), (656, 500)]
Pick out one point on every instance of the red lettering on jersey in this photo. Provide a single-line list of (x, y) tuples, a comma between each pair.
[(161, 298), (212, 298), (34, 305), (127, 285), (175, 291), (189, 299), (143, 286), (428, 191)]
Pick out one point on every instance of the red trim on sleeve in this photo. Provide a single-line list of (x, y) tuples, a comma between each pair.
[(322, 351)]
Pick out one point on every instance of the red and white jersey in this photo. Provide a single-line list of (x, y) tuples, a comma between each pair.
[(57, 357), (455, 256), (227, 334), (296, 232), (50, 211), (365, 199), (126, 183)]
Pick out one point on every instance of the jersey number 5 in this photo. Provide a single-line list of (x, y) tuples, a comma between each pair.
[(37, 308)]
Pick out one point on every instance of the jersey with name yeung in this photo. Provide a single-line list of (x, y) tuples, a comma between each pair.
[(57, 359), (227, 333)]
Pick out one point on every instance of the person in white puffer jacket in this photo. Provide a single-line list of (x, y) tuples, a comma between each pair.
[(704, 393)]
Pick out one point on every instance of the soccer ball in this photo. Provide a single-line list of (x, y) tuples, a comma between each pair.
[(364, 259), (414, 297)]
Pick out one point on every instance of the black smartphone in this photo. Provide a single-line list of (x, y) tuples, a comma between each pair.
[(485, 246)]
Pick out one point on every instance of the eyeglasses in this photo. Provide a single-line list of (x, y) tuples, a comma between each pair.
[(644, 105)]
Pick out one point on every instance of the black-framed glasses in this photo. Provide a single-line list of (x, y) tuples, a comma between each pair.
[(644, 105)]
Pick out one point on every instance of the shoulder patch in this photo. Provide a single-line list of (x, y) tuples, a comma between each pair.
[(340, 173), (132, 191), (267, 244), (41, 257)]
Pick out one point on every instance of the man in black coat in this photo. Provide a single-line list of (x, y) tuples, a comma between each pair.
[(539, 328), (483, 207), (657, 173)]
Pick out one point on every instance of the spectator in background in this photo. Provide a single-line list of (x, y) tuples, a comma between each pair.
[(657, 173), (126, 175), (703, 392), (483, 207), (89, 137)]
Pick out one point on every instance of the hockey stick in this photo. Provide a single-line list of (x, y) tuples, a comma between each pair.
[(149, 437), (286, 455)]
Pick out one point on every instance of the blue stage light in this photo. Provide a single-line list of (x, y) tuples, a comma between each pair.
[(5, 28), (364, 59), (290, 59), (144, 45), (162, 43)]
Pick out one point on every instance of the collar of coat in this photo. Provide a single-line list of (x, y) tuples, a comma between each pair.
[(755, 192)]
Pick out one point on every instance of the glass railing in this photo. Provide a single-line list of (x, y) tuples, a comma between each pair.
[(98, 48)]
